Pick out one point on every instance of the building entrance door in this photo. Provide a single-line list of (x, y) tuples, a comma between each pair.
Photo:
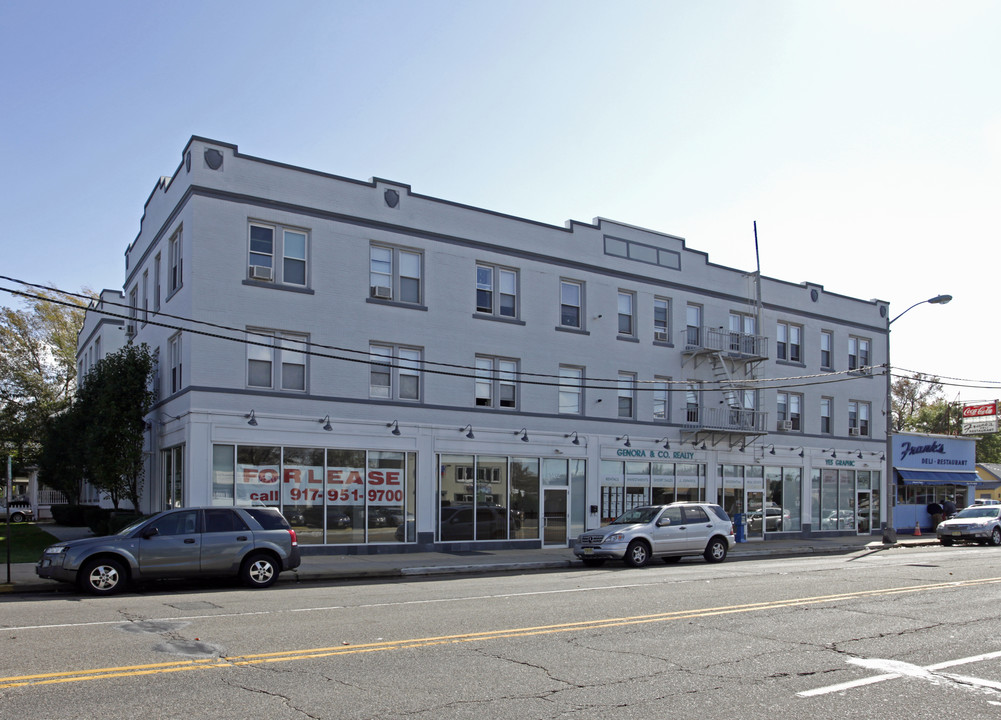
[(755, 515), (554, 517), (863, 512)]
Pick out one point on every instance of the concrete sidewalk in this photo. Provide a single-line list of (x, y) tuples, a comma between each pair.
[(337, 568)]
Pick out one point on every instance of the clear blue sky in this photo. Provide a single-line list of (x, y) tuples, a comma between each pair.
[(863, 137)]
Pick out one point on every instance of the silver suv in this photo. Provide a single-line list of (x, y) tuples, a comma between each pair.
[(666, 531), (252, 543)]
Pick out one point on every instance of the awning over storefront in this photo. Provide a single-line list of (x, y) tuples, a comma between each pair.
[(927, 477)]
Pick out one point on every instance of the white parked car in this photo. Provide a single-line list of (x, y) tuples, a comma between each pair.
[(666, 531), (977, 523)]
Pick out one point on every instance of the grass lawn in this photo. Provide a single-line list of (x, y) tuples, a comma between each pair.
[(27, 541)]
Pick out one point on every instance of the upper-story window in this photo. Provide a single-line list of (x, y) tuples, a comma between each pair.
[(278, 254), (858, 353), (145, 313), (571, 390), (743, 332), (133, 310), (174, 263), (395, 274), (693, 393), (661, 319), (276, 359), (693, 322), (627, 313), (789, 342), (826, 426), (661, 406), (496, 382), (571, 304), (174, 353), (156, 282), (790, 411), (496, 291), (858, 418), (395, 372), (627, 394), (826, 349)]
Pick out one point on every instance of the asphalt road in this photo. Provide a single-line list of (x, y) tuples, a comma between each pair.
[(907, 632)]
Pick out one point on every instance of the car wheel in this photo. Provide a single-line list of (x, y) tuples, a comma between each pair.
[(715, 550), (996, 537), (945, 541), (17, 517), (593, 562), (672, 559), (637, 554), (102, 577), (259, 571)]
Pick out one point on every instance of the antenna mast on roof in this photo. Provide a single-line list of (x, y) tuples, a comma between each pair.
[(757, 276)]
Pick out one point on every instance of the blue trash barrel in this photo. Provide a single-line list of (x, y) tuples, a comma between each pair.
[(739, 527)]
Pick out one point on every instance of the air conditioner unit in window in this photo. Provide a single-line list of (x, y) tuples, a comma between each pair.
[(382, 292), (660, 336), (853, 431), (130, 331), (260, 272), (785, 425)]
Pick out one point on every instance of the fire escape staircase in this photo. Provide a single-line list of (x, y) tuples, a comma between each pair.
[(732, 358)]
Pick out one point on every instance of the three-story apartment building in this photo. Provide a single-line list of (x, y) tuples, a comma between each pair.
[(395, 370)]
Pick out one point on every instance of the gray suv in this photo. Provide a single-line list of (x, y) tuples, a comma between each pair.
[(252, 543), (666, 531)]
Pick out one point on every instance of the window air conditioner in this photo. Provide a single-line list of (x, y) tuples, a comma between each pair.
[(382, 292), (785, 425), (853, 431), (660, 336), (260, 272)]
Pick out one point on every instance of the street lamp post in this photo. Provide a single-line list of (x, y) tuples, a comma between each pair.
[(889, 483)]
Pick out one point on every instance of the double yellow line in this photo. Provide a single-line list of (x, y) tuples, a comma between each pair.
[(324, 652)]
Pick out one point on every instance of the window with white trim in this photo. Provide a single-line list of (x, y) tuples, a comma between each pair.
[(627, 313), (826, 427), (789, 342), (133, 311), (661, 399), (174, 263), (627, 394), (496, 291), (826, 349), (571, 304), (395, 372), (790, 412), (662, 319), (693, 325), (156, 282), (395, 274), (145, 312), (174, 353), (571, 401), (277, 359), (496, 382), (858, 353), (693, 393), (278, 254), (858, 418)]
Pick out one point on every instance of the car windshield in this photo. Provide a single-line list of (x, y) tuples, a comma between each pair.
[(636, 515), (983, 511), (132, 526)]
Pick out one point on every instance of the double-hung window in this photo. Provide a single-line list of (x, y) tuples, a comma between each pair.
[(496, 382), (276, 359), (790, 411), (826, 349), (571, 390), (496, 291), (395, 274), (693, 325), (825, 415), (858, 418), (661, 319), (156, 283), (789, 342), (571, 304), (133, 310), (627, 313), (743, 333), (174, 265), (145, 314), (627, 394), (174, 353), (693, 393), (278, 254), (858, 353), (395, 372)]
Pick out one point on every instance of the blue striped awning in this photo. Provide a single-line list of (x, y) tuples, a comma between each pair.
[(928, 477)]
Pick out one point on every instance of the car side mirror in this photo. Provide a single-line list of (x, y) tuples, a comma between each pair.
[(150, 532), (663, 522)]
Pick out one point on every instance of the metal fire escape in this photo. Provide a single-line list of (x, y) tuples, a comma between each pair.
[(731, 358)]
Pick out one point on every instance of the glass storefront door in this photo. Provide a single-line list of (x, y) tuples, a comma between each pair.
[(863, 512), (554, 517), (755, 515)]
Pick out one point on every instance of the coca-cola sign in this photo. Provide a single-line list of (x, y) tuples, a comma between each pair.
[(980, 411)]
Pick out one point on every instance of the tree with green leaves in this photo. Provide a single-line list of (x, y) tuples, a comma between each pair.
[(37, 369), (114, 399), (62, 462), (910, 395)]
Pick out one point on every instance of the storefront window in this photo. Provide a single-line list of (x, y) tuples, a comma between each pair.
[(612, 490), (258, 475), (637, 484), (578, 494), (492, 517), (731, 492), (792, 499), (173, 477), (223, 474), (525, 498), (815, 499), (846, 500), (554, 473), (345, 512), (829, 500), (661, 483), (302, 493), (385, 494), (691, 482)]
